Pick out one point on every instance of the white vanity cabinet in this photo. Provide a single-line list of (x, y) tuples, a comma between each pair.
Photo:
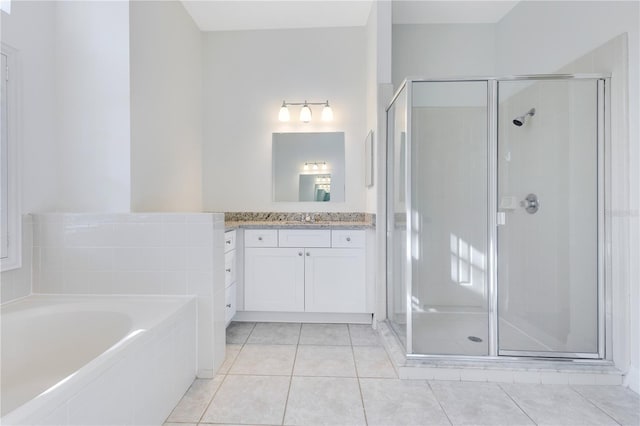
[(293, 270), (230, 275)]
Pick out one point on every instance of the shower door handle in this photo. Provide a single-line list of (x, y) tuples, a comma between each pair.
[(530, 203)]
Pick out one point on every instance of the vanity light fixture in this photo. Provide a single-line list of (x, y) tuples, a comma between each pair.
[(315, 165), (284, 112), (305, 111)]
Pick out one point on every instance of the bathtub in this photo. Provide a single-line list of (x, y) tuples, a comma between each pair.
[(81, 360)]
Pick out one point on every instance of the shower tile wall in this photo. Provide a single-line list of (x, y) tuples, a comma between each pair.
[(138, 253), (547, 283)]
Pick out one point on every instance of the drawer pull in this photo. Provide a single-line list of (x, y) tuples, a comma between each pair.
[(299, 253), (348, 238), (259, 238), (228, 269), (308, 254), (228, 305), (228, 242)]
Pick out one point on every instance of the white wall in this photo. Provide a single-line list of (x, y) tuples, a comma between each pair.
[(247, 75), (575, 29), (379, 93), (166, 108), (30, 28), (438, 50), (92, 105)]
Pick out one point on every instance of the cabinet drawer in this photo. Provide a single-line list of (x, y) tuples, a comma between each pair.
[(229, 241), (261, 238), (304, 238), (229, 303), (229, 268), (348, 238)]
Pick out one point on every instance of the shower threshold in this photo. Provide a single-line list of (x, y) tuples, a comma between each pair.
[(496, 369)]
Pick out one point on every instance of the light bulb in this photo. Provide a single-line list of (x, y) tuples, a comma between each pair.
[(324, 166), (284, 112), (315, 166), (327, 112), (306, 166), (305, 113)]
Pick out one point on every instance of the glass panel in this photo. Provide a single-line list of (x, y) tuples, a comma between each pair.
[(448, 152), (547, 192), (396, 216), (4, 170)]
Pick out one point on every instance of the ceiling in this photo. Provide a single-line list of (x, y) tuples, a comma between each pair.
[(232, 15)]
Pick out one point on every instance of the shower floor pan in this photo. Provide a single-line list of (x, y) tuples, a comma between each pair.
[(490, 369)]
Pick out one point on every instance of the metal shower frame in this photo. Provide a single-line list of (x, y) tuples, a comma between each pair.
[(604, 353)]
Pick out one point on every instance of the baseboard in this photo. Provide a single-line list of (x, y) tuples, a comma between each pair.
[(311, 317), (632, 379)]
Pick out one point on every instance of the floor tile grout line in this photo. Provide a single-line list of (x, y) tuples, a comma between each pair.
[(594, 404), (355, 366), (516, 402), (224, 379), (212, 398), (293, 367), (438, 401)]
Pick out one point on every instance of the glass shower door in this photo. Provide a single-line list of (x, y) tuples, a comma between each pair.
[(447, 218), (548, 261)]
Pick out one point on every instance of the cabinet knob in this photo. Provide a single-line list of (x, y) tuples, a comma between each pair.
[(299, 253), (228, 305), (228, 241), (228, 269), (348, 238), (259, 238), (308, 254)]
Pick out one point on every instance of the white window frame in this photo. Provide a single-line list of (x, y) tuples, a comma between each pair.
[(14, 231)]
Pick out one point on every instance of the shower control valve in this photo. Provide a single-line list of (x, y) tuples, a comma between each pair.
[(530, 203)]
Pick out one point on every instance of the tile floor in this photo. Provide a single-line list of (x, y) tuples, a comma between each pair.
[(338, 374)]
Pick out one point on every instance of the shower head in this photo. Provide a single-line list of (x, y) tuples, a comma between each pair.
[(519, 121)]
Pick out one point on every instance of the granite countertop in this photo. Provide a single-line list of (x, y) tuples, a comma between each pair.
[(253, 220)]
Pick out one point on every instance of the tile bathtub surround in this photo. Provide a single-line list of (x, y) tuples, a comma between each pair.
[(138, 253), (319, 385)]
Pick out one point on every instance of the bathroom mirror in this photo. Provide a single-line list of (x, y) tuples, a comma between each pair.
[(308, 167)]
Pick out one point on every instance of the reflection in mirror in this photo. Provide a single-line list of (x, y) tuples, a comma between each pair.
[(315, 188), (308, 166)]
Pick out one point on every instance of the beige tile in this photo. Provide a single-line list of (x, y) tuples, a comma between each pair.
[(231, 354), (620, 403), (324, 334), (363, 335), (400, 402), (264, 359), (273, 333), (556, 405), (195, 401), (373, 361), (238, 332), (335, 361), (324, 401), (249, 400), (473, 403)]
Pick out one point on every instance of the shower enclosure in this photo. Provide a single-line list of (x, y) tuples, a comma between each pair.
[(495, 216)]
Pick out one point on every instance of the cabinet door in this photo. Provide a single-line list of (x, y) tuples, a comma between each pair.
[(274, 279), (335, 280), (229, 303)]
